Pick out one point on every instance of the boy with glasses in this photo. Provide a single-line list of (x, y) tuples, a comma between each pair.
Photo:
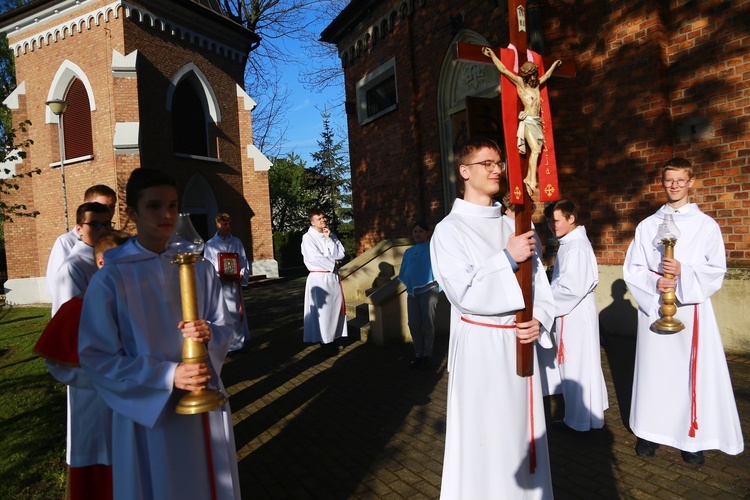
[(682, 394), (495, 443), (65, 242), (92, 221)]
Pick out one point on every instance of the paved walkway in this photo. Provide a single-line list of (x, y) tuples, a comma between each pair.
[(361, 424)]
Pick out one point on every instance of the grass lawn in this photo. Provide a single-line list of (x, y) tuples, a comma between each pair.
[(32, 411)]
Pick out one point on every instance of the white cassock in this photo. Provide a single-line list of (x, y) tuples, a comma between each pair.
[(547, 358), (493, 415), (232, 290), (577, 332), (663, 382), (74, 274), (60, 249), (325, 316), (89, 418), (130, 346)]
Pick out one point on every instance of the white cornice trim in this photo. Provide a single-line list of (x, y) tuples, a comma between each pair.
[(248, 103), (77, 24), (12, 100), (261, 162)]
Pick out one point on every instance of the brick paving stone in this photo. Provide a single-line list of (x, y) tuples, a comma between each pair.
[(405, 489), (378, 487), (361, 424)]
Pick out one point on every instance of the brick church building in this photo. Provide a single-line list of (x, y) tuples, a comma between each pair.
[(149, 83), (653, 80)]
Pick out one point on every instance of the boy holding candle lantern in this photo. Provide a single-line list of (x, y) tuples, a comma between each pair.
[(682, 394), (130, 345)]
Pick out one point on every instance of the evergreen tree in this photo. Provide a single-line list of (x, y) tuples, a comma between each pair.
[(330, 178)]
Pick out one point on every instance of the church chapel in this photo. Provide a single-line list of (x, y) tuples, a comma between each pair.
[(148, 83), (653, 80)]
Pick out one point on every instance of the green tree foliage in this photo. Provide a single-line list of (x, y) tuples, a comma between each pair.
[(290, 197), (9, 180), (295, 189)]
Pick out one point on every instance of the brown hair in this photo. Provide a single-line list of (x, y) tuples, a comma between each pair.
[(566, 208), (466, 150), (99, 190), (223, 217), (91, 206), (112, 239)]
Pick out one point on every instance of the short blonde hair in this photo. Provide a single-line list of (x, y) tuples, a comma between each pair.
[(678, 163)]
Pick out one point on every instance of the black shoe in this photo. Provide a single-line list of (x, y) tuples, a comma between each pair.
[(693, 458), (645, 448), (426, 363), (415, 363)]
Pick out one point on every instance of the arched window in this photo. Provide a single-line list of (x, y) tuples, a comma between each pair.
[(77, 122), (189, 121)]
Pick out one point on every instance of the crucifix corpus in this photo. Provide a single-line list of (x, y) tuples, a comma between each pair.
[(529, 146)]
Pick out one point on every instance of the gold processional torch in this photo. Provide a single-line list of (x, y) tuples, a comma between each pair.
[(667, 235), (189, 245)]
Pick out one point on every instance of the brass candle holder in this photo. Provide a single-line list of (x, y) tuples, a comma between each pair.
[(666, 236), (189, 245)]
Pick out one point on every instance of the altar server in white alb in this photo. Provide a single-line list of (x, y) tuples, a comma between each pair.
[(495, 443), (89, 418), (65, 242), (325, 311), (92, 220), (130, 345), (227, 254), (579, 358), (682, 393)]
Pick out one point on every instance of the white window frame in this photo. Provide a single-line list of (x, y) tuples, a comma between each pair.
[(371, 80)]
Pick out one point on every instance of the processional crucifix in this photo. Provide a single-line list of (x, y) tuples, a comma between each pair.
[(526, 100)]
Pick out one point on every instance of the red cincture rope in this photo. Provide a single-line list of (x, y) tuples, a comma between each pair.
[(694, 375), (209, 456), (488, 325), (532, 443), (561, 347)]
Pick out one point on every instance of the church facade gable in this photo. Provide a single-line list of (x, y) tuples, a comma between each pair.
[(129, 60)]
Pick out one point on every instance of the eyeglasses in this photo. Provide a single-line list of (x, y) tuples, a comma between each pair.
[(96, 225), (680, 182), (488, 165)]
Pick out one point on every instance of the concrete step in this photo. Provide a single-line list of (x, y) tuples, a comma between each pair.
[(357, 330), (262, 280), (357, 309)]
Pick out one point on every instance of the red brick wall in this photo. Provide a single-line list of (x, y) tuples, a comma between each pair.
[(654, 80), (395, 159), (130, 99), (28, 241)]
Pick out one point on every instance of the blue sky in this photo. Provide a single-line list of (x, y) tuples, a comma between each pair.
[(305, 123)]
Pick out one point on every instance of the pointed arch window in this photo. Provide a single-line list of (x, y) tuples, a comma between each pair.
[(77, 134), (189, 120)]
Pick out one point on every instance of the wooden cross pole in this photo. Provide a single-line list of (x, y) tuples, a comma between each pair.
[(517, 164)]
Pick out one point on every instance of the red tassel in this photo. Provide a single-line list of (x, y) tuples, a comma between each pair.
[(532, 444), (561, 347), (209, 456), (694, 375)]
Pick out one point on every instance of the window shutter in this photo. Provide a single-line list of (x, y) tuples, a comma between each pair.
[(77, 122)]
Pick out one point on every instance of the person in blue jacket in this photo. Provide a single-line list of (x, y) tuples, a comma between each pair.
[(422, 290)]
